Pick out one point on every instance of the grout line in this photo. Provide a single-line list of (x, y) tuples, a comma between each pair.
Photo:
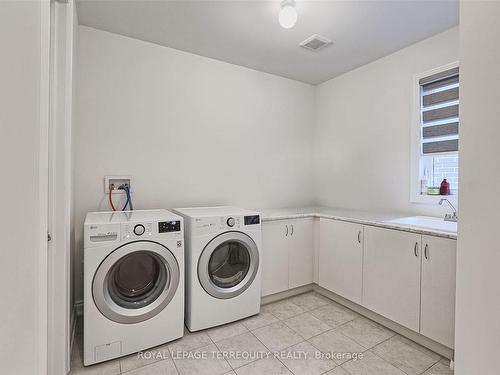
[(386, 361), (230, 337), (172, 357), (229, 363), (394, 364), (421, 352), (284, 364), (419, 347), (213, 343), (319, 334), (280, 361), (366, 349), (149, 364), (427, 368), (272, 352), (218, 349), (348, 372), (381, 342), (394, 334), (327, 371), (284, 322)]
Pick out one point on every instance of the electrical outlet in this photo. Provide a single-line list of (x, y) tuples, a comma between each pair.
[(113, 182)]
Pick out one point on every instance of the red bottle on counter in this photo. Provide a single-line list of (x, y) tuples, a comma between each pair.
[(445, 188)]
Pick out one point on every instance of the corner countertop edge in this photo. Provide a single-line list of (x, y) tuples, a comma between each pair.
[(353, 216)]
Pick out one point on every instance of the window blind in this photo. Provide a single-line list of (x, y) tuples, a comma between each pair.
[(439, 108)]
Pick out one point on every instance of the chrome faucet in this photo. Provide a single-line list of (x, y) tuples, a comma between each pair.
[(449, 217)]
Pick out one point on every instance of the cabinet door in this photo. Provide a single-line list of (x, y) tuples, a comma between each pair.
[(437, 319), (341, 258), (301, 255), (274, 257), (391, 275)]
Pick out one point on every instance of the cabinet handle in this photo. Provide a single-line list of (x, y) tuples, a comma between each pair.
[(291, 234), (359, 236), (286, 230), (415, 249), (426, 251)]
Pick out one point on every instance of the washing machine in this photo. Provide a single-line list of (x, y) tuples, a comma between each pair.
[(133, 282), (223, 264)]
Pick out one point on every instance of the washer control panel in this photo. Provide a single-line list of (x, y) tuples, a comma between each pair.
[(134, 230), (169, 226), (139, 230)]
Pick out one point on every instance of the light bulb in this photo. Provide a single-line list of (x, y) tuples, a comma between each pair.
[(288, 15)]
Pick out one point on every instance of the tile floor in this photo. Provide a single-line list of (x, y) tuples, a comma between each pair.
[(293, 336)]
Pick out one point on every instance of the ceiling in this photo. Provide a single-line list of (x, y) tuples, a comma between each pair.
[(247, 33)]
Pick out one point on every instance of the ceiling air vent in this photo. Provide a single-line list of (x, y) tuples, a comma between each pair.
[(315, 42)]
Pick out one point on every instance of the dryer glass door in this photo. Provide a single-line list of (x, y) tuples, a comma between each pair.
[(228, 265), (135, 282)]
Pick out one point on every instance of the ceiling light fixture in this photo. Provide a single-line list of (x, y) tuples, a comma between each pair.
[(288, 14)]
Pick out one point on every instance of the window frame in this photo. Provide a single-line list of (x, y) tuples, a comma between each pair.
[(415, 146)]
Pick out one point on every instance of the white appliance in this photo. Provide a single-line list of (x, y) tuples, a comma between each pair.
[(133, 282), (222, 265)]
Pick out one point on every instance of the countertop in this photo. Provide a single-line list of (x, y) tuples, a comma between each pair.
[(353, 216)]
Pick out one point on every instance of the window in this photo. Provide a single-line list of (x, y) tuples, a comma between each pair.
[(435, 133)]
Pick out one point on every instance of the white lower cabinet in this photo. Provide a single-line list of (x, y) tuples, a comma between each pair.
[(300, 253), (406, 277), (274, 273), (391, 275), (287, 254), (437, 310), (341, 258)]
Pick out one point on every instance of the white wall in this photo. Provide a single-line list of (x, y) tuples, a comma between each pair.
[(190, 130), (477, 336), (362, 132), (22, 161)]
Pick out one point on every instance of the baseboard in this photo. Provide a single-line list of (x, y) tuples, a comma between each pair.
[(73, 321), (286, 294), (79, 308), (73, 329), (403, 331)]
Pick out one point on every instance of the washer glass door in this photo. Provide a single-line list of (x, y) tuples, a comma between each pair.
[(135, 282), (228, 264), (137, 279)]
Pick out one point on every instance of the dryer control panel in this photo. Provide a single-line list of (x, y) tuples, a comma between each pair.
[(228, 222), (213, 224)]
